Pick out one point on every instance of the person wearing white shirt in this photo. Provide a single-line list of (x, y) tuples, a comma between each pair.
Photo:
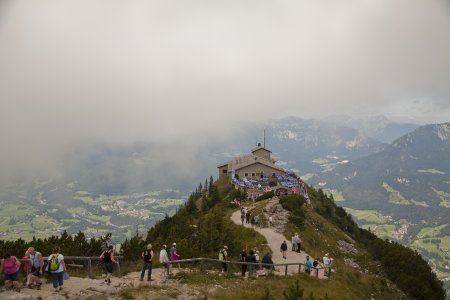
[(164, 259), (326, 263)]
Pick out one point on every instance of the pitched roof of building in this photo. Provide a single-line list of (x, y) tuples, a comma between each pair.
[(260, 147), (247, 160)]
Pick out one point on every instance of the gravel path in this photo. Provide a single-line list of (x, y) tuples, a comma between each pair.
[(274, 240)]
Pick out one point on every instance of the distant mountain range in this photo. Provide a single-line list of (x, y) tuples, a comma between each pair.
[(377, 127), (399, 187), (417, 166)]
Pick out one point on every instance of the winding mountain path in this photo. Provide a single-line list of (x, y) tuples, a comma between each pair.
[(274, 240)]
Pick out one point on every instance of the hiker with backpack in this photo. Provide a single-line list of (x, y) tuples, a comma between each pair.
[(107, 257), (147, 255), (223, 257), (56, 267), (37, 268), (267, 261), (11, 266)]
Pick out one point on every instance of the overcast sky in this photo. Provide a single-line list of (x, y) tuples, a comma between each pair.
[(122, 71)]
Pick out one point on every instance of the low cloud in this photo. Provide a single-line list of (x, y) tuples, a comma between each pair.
[(118, 72)]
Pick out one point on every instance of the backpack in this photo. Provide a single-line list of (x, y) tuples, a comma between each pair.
[(53, 262), (147, 256), (220, 255), (242, 256)]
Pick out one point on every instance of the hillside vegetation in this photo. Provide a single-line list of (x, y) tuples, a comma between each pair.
[(203, 226), (365, 266)]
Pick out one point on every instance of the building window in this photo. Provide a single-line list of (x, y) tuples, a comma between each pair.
[(224, 171), (253, 174), (246, 174), (274, 175)]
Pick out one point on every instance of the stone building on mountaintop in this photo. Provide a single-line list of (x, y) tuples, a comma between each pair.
[(256, 165)]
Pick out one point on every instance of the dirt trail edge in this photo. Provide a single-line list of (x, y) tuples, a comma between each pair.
[(274, 240)]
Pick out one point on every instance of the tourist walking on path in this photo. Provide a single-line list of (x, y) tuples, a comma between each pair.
[(316, 265), (308, 265), (164, 259), (26, 265), (37, 265), (267, 259), (257, 258), (10, 265), (247, 217), (298, 243), (243, 258), (57, 267), (293, 242), (174, 256), (283, 249), (251, 259), (107, 257), (242, 217), (147, 255), (223, 257), (326, 263), (270, 221)]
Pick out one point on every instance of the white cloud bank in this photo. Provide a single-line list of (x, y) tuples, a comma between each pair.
[(122, 71)]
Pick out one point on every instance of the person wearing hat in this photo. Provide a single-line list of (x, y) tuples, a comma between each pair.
[(147, 255), (164, 260), (223, 256), (326, 263), (174, 255)]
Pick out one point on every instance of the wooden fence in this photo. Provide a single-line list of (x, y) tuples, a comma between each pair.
[(88, 259), (301, 266)]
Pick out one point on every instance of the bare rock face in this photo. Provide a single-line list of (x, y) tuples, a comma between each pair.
[(279, 214), (347, 247), (351, 262)]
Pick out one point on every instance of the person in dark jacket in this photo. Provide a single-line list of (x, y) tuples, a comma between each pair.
[(267, 259), (251, 259), (147, 255), (283, 249), (243, 258), (107, 257)]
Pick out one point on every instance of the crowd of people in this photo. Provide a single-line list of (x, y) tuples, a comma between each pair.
[(55, 266), (34, 267)]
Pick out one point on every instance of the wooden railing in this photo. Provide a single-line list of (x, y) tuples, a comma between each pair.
[(181, 261), (285, 265), (89, 260)]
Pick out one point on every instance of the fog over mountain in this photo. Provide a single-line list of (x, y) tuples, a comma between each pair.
[(178, 74)]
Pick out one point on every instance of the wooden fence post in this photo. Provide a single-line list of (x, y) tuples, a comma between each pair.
[(90, 269), (285, 270)]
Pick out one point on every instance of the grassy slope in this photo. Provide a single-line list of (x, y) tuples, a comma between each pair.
[(319, 236)]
